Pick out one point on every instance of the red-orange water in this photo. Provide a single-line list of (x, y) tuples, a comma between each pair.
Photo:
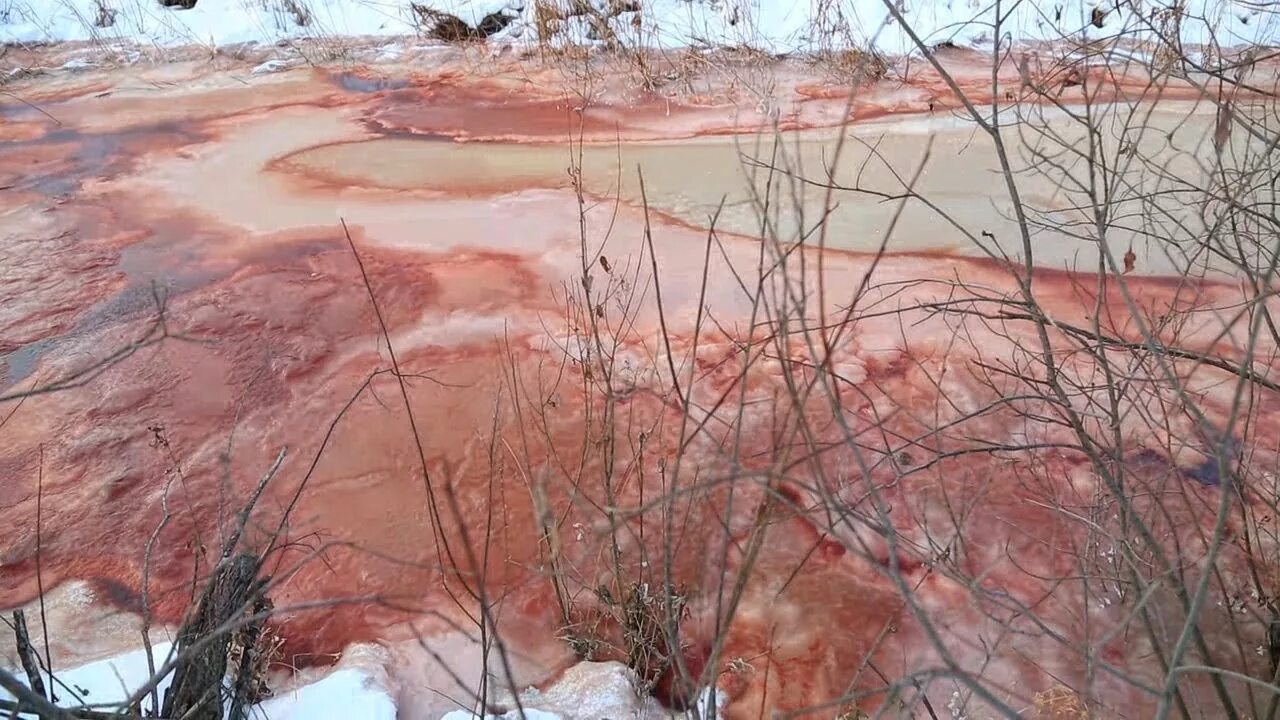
[(275, 345)]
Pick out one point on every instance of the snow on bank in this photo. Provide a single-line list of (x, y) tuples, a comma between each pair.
[(104, 682), (211, 22), (341, 695), (589, 691), (813, 26), (780, 26), (585, 691), (355, 689)]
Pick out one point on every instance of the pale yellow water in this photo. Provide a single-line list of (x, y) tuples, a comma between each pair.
[(962, 194)]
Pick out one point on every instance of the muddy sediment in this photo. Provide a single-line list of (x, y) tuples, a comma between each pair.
[(210, 213)]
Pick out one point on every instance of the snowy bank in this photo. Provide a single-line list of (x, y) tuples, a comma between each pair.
[(356, 688), (588, 691), (778, 26)]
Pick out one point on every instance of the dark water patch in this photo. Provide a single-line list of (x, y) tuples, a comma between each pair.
[(52, 185), (134, 301), (156, 270), (22, 111), (20, 363), (150, 285), (1207, 473), (118, 594), (94, 155), (374, 126), (357, 83), (1210, 473)]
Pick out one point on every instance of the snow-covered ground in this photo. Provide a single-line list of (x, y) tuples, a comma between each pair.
[(589, 691), (780, 26), (214, 23), (356, 688)]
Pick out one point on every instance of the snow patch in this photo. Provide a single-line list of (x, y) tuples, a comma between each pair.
[(77, 64), (210, 22), (106, 681), (390, 52), (355, 689), (340, 695), (779, 26), (271, 66), (529, 714), (589, 691)]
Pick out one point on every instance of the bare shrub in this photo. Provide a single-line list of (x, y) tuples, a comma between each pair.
[(104, 16), (853, 66), (450, 28), (300, 12)]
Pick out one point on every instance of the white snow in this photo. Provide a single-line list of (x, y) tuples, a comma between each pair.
[(529, 714), (340, 695), (814, 25), (210, 22), (588, 691), (781, 26), (352, 690), (271, 66), (106, 681)]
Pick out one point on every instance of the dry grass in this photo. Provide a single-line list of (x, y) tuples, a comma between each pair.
[(1168, 56), (853, 66), (300, 12), (630, 624), (262, 651), (1059, 703), (104, 16)]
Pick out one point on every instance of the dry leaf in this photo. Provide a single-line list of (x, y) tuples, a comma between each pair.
[(1222, 129)]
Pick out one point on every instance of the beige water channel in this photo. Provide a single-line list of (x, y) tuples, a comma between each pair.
[(1158, 162)]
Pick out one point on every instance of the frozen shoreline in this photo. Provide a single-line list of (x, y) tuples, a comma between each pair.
[(774, 26), (355, 687), (359, 686)]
